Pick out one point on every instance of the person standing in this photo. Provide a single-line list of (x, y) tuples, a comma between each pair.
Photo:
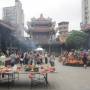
[(30, 59), (2, 59), (46, 58), (52, 60), (13, 58), (26, 58), (21, 59), (84, 59)]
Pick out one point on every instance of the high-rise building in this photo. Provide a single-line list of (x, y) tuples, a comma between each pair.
[(63, 28), (14, 15), (85, 25)]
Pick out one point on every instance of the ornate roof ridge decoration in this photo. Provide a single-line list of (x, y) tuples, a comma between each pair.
[(41, 18)]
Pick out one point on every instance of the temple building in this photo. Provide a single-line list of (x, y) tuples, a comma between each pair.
[(42, 30)]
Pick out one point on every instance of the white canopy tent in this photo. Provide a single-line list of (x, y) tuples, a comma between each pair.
[(39, 49)]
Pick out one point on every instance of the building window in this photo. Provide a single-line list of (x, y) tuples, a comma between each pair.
[(86, 19)]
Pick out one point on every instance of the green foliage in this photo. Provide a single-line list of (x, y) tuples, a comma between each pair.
[(76, 40)]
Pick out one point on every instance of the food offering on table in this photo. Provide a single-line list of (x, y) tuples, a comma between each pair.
[(43, 72), (36, 69), (4, 69), (51, 69), (74, 62), (19, 69), (1, 67), (27, 68), (42, 69), (47, 68), (32, 68), (31, 75), (8, 69)]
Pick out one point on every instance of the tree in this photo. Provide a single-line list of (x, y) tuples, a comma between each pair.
[(76, 40)]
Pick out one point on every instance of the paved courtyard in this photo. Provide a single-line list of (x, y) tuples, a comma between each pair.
[(66, 78)]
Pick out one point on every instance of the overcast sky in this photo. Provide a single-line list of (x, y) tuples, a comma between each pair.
[(58, 10)]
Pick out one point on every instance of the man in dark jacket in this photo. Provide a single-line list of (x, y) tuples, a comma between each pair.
[(84, 59)]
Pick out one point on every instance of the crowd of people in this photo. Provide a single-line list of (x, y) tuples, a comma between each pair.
[(76, 56), (24, 58)]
